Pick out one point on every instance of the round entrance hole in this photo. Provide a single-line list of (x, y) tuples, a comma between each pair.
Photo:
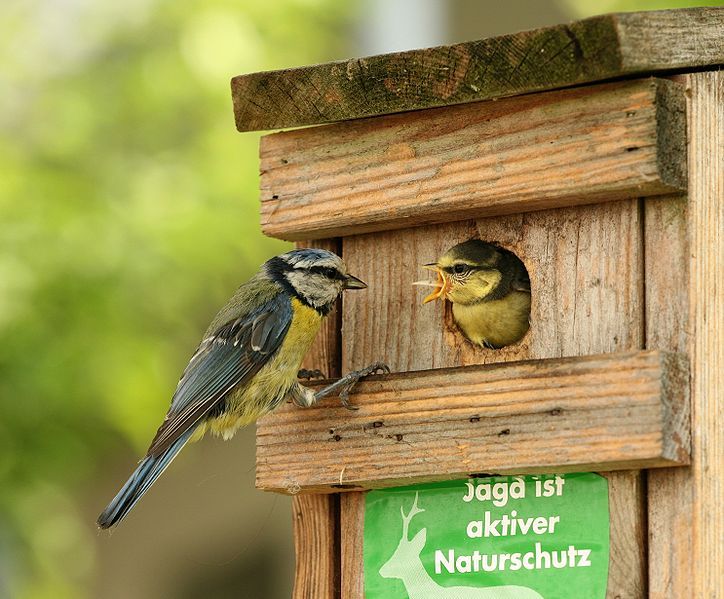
[(489, 289)]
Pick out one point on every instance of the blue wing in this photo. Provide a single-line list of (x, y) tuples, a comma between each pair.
[(232, 355), (227, 358)]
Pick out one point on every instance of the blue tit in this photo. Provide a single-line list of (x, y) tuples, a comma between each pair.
[(248, 361), (489, 289)]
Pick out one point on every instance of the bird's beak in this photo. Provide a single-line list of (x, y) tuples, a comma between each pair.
[(354, 283), (442, 285)]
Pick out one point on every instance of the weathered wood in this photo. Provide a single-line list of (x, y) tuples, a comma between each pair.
[(316, 521), (606, 412), (594, 49), (666, 273), (353, 520), (686, 518), (670, 489), (563, 148), (586, 271), (627, 550), (706, 304), (316, 517), (586, 268)]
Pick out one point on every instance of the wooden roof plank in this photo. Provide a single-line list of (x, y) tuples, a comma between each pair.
[(594, 49)]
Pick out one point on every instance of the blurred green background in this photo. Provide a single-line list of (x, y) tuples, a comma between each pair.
[(128, 214)]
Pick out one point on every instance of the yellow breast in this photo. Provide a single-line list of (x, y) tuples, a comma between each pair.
[(268, 388), (496, 323)]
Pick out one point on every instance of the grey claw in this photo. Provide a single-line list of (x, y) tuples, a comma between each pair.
[(343, 386), (380, 367), (344, 398), (355, 377)]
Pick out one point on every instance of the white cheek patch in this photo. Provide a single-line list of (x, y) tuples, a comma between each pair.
[(317, 289)]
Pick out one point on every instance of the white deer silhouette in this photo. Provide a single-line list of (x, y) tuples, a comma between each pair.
[(406, 565)]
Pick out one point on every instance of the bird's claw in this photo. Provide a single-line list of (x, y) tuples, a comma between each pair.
[(380, 367), (352, 378), (344, 397), (310, 374)]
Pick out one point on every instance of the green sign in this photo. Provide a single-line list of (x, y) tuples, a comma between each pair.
[(504, 537)]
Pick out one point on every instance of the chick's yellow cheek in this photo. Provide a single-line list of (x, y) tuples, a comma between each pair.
[(476, 286)]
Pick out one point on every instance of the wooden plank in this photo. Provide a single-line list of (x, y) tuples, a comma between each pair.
[(686, 519), (316, 543), (316, 517), (667, 313), (606, 412), (627, 550), (586, 271), (352, 524), (565, 148), (666, 273), (706, 304), (586, 268), (594, 49), (627, 570)]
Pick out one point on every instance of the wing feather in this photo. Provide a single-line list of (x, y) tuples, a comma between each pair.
[(232, 355)]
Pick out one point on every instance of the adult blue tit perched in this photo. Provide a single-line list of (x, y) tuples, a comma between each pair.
[(248, 361), (489, 289)]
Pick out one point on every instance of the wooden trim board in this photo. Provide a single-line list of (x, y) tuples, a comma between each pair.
[(606, 412), (565, 148), (316, 517), (686, 513), (595, 49)]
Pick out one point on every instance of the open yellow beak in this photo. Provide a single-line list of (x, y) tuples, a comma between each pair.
[(442, 285)]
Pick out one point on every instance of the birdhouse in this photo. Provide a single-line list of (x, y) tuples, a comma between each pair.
[(594, 152)]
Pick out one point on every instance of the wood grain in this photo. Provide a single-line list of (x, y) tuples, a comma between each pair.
[(606, 412), (594, 49), (667, 299), (706, 290), (666, 273), (316, 517), (686, 517), (577, 146), (627, 549), (352, 525), (586, 268), (586, 271)]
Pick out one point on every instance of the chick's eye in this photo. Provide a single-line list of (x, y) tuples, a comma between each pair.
[(459, 269)]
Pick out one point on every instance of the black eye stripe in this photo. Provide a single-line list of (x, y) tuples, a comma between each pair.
[(327, 271)]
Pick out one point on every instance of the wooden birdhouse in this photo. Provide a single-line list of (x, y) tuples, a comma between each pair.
[(593, 151)]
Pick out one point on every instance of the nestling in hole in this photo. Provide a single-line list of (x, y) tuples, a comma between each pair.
[(489, 289)]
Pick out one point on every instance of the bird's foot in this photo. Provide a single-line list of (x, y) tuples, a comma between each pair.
[(310, 374), (344, 385)]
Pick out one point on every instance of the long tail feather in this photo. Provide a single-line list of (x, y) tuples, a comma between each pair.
[(149, 469)]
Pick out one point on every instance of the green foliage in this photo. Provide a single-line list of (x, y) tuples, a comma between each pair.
[(128, 214), (587, 8)]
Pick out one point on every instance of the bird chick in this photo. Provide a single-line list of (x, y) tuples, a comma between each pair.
[(489, 289), (248, 361)]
